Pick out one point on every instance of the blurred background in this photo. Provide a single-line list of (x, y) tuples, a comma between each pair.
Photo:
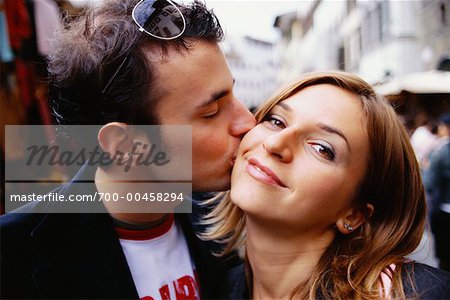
[(400, 46)]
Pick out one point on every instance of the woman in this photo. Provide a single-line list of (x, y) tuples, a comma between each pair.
[(327, 198)]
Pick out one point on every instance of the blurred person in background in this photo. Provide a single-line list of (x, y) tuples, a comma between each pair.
[(327, 198), (443, 131), (438, 186), (119, 64), (424, 139)]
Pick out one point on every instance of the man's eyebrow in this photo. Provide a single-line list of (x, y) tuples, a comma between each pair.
[(322, 126), (215, 97)]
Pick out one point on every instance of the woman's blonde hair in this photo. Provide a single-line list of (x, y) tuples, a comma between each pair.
[(352, 265)]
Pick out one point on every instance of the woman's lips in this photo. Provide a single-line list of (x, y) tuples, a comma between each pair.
[(262, 173)]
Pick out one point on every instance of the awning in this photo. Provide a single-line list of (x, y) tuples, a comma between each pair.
[(432, 82)]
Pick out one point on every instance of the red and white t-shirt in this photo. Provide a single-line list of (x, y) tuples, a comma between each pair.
[(160, 262)]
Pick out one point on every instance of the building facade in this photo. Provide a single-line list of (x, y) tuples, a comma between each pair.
[(375, 39), (254, 67)]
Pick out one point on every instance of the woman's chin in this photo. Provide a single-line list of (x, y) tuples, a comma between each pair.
[(234, 195), (239, 198)]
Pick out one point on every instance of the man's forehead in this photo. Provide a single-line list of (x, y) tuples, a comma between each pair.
[(204, 64), (192, 78), (159, 55)]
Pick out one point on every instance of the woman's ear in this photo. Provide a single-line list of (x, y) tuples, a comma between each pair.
[(114, 138), (352, 218)]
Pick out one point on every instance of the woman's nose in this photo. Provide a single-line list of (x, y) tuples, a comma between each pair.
[(281, 145)]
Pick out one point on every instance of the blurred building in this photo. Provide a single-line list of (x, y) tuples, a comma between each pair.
[(374, 39), (253, 65), (309, 41), (434, 34)]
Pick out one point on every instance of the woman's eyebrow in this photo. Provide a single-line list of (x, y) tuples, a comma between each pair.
[(333, 130), (284, 106)]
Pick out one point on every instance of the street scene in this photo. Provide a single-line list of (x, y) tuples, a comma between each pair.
[(224, 149)]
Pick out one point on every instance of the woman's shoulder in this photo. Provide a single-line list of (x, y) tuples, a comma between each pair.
[(430, 283)]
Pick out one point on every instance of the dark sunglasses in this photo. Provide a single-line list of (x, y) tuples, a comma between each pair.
[(161, 19)]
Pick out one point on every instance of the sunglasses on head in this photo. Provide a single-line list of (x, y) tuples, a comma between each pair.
[(161, 19)]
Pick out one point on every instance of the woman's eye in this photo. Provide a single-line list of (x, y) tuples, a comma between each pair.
[(324, 151), (274, 121)]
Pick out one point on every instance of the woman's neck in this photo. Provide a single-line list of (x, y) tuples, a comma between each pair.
[(279, 261)]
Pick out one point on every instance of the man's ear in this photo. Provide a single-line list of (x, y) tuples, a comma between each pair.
[(352, 218), (115, 137)]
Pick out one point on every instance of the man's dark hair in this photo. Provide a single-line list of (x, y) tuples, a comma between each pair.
[(90, 49)]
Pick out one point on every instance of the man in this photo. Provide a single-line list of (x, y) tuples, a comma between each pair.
[(438, 188), (111, 67)]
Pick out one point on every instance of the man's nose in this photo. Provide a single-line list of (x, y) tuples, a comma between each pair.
[(243, 120)]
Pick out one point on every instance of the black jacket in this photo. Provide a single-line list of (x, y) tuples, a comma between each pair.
[(430, 283), (78, 256)]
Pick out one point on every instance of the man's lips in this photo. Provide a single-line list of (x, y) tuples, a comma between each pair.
[(262, 173)]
